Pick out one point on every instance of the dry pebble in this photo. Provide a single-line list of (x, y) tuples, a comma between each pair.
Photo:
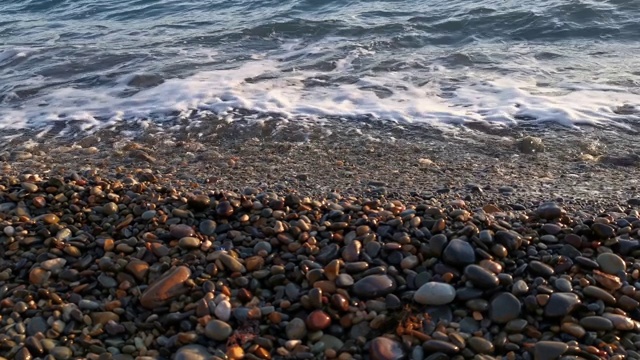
[(137, 267)]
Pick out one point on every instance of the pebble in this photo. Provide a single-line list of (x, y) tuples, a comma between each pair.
[(549, 211), (218, 330), (549, 350), (193, 352), (481, 345), (435, 293), (611, 263), (596, 323), (232, 263), (383, 348), (504, 307), (481, 277), (561, 304), (223, 310), (296, 329), (169, 286), (459, 253), (61, 353), (374, 286), (318, 320)]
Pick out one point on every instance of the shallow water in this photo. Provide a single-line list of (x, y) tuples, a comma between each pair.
[(91, 64)]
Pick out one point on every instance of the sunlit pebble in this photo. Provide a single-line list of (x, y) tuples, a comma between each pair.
[(39, 202)]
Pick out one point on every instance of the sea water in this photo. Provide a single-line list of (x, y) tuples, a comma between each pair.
[(445, 62)]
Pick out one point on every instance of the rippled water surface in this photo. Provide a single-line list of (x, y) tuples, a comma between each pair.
[(503, 62)]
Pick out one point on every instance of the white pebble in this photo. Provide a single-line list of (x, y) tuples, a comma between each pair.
[(223, 310)]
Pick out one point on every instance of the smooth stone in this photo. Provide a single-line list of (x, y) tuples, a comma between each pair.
[(110, 208), (382, 348), (223, 310), (459, 253), (611, 263), (596, 323), (574, 330), (549, 210), (331, 342), (373, 286), (435, 293), (504, 308), (53, 264), (481, 277), (193, 352), (37, 324), (431, 346), (344, 280), (563, 285), (168, 286), (61, 353), (189, 242), (103, 317), (318, 320), (520, 288), (232, 263), (561, 304), (481, 345), (181, 230), (620, 322), (207, 227), (603, 231), (148, 215), (218, 330), (549, 350), (599, 293), (540, 268), (296, 329)]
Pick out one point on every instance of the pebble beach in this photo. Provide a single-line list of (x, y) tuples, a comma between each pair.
[(343, 240)]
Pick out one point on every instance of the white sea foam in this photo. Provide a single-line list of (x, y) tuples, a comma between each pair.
[(501, 101)]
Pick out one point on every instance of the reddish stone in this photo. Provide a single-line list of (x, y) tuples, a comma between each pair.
[(169, 286), (318, 320)]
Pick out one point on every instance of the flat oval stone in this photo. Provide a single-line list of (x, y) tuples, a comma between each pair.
[(218, 330), (481, 345), (549, 210), (599, 293), (382, 348), (167, 287), (207, 227), (373, 286), (596, 323), (189, 242), (561, 304), (540, 268), (435, 293), (459, 253), (549, 350), (232, 263), (620, 322), (181, 230), (504, 308), (611, 263), (603, 231), (193, 352), (481, 277), (431, 346)]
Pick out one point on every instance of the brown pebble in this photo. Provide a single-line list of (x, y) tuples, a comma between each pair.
[(38, 276), (169, 286), (318, 320)]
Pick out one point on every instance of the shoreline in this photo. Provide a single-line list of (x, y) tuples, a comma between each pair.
[(366, 241)]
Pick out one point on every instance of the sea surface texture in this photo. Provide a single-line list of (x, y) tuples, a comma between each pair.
[(91, 63)]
